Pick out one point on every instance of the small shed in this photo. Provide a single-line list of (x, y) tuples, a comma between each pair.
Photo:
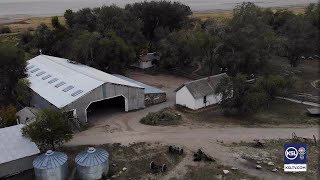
[(199, 93), (148, 60), (314, 111), (17, 151), (27, 115)]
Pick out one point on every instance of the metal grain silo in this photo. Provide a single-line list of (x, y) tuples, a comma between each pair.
[(51, 166), (92, 163)]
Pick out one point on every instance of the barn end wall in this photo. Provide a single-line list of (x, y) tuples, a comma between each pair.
[(39, 102), (134, 98), (184, 98), (16, 166)]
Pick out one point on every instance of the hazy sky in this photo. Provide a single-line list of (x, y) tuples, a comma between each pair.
[(56, 7)]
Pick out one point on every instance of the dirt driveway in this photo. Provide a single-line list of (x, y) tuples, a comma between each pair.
[(125, 128)]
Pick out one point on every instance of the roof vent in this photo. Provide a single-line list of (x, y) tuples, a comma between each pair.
[(91, 150), (40, 73), (53, 80), (30, 67), (35, 70), (46, 77), (68, 88), (76, 93), (49, 152), (60, 84)]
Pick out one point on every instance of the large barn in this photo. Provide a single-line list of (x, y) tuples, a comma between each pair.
[(62, 84), (199, 93)]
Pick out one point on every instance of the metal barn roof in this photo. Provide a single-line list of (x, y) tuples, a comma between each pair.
[(14, 145), (203, 87), (61, 82), (147, 89)]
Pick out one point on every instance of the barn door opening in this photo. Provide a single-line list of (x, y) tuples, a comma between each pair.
[(105, 108)]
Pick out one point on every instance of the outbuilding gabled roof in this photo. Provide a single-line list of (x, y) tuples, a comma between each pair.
[(14, 145), (61, 81), (203, 87)]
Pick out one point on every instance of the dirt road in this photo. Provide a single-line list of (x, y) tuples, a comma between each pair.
[(125, 128)]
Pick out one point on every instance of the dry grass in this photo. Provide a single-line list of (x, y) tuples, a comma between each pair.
[(136, 158), (280, 112), (274, 150), (32, 23), (227, 14), (214, 171)]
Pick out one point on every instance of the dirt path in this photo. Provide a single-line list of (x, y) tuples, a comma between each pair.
[(125, 128)]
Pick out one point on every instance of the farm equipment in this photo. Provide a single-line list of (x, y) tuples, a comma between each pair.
[(200, 155), (175, 150), (305, 139), (157, 168)]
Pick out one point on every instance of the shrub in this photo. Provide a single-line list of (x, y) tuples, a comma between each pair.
[(163, 117), (4, 29)]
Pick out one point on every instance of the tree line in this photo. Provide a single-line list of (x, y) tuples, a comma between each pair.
[(110, 38)]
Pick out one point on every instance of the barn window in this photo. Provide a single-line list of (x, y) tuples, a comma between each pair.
[(53, 80), (76, 93), (40, 73), (68, 88), (60, 84), (35, 70), (46, 77), (204, 99)]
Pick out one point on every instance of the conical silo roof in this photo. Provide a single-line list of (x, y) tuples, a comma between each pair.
[(50, 160), (92, 157)]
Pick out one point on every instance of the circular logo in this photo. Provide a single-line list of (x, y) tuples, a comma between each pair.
[(302, 150), (291, 153)]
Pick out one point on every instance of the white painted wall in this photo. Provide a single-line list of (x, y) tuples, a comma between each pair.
[(145, 64), (211, 99), (184, 98)]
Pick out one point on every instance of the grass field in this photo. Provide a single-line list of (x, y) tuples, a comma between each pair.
[(279, 112), (225, 14), (32, 23)]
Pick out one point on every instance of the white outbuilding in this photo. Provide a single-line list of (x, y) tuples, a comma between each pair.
[(199, 93), (17, 151)]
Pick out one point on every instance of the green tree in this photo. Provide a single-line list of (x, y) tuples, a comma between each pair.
[(113, 54), (275, 85), (240, 97), (12, 68), (23, 92), (8, 116), (83, 46), (165, 14), (249, 40), (180, 49), (50, 129)]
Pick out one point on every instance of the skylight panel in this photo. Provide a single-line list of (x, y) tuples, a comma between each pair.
[(68, 88), (40, 73), (53, 80), (46, 77), (35, 70), (76, 93), (60, 84), (30, 67)]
